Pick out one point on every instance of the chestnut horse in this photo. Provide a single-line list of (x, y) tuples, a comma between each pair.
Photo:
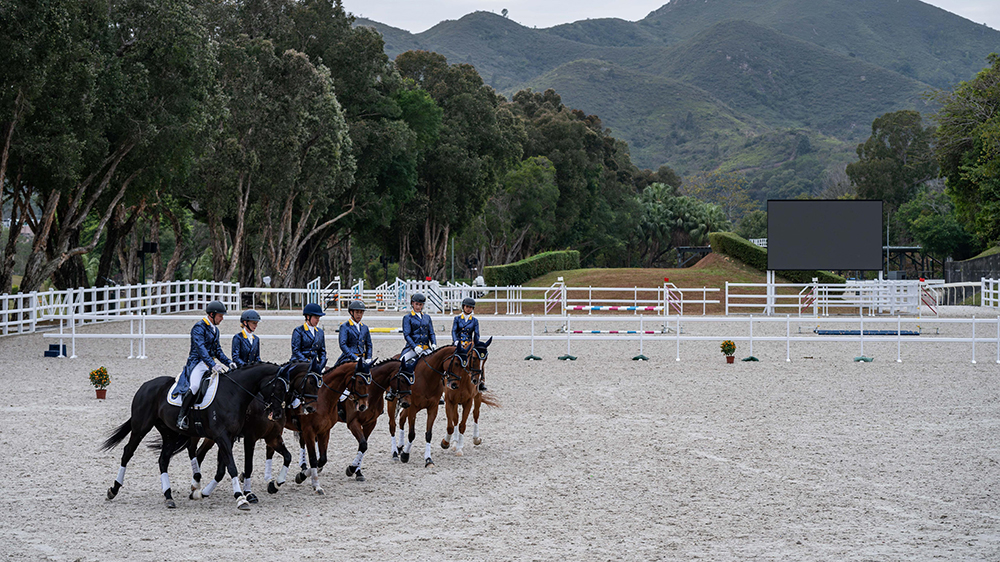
[(462, 389), (315, 427), (385, 374), (304, 385), (429, 381)]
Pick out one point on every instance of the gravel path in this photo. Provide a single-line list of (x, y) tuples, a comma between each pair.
[(598, 459)]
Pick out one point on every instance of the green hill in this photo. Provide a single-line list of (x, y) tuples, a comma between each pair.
[(913, 38)]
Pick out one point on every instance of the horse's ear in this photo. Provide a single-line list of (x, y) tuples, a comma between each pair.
[(488, 342)]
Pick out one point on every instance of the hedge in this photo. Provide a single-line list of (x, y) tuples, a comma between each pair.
[(731, 245), (518, 273)]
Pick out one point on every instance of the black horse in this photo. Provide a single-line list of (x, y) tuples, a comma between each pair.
[(221, 422), (304, 385)]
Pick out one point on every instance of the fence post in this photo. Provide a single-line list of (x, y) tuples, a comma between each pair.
[(751, 335), (567, 357), (973, 339), (788, 340), (532, 357), (642, 332), (677, 337), (72, 319), (727, 298), (899, 339)]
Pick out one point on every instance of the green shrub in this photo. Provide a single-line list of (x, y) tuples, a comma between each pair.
[(729, 244), (518, 273)]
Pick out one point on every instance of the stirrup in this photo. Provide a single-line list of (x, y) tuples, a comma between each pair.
[(182, 422)]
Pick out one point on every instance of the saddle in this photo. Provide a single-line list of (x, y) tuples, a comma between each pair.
[(204, 397)]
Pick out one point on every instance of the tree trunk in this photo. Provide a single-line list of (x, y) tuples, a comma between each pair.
[(435, 249), (175, 258)]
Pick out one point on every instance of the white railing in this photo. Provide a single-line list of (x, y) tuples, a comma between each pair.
[(877, 296), (990, 292), (762, 242)]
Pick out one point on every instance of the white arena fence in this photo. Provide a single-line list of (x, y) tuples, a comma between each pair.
[(819, 299), (665, 333)]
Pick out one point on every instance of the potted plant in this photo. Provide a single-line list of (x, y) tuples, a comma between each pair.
[(100, 379), (728, 349)]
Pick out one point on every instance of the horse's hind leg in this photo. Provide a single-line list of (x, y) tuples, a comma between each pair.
[(404, 416), (451, 415), (138, 430), (390, 410), (226, 455), (354, 469), (466, 410), (322, 444), (197, 455)]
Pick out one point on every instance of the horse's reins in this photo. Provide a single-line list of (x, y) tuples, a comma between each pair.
[(253, 396)]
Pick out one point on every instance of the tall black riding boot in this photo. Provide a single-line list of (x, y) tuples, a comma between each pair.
[(182, 418)]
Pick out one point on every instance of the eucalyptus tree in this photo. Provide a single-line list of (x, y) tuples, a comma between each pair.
[(480, 139)]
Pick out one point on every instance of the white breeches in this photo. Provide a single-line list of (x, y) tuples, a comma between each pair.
[(196, 374)]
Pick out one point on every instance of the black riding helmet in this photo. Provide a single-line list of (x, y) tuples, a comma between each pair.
[(249, 316), (469, 301), (418, 297), (215, 307), (356, 305)]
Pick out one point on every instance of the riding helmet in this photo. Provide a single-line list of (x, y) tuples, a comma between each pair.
[(249, 316), (469, 301), (418, 297), (356, 305), (313, 309), (215, 307)]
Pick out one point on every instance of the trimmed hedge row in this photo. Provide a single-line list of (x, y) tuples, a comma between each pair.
[(519, 272), (731, 245)]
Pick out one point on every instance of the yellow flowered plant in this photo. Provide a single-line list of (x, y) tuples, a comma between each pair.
[(100, 378), (728, 347)]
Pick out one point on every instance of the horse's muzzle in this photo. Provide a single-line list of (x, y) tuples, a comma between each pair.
[(310, 409)]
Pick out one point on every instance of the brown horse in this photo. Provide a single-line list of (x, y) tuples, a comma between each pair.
[(304, 385), (315, 427), (428, 385), (385, 374), (462, 389)]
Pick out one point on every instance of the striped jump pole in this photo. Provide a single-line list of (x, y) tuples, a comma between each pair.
[(622, 308)]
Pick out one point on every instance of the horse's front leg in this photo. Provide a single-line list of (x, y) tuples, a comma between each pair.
[(322, 443), (451, 414), (477, 403), (227, 459), (390, 410), (428, 435), (407, 415), (278, 444), (466, 410), (308, 442), (197, 455), (170, 442), (354, 469), (249, 444)]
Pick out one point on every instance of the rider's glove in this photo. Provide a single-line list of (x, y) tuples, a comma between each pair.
[(232, 365), (218, 368)]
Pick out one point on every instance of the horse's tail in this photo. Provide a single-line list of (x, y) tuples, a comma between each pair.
[(118, 436), (179, 445), (489, 400)]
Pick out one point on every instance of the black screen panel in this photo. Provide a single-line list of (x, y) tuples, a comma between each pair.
[(829, 235)]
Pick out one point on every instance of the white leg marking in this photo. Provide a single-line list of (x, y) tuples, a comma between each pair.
[(267, 470), (475, 429), (357, 459), (449, 437), (236, 486), (165, 481), (121, 475), (407, 447), (209, 488), (427, 450), (246, 484), (282, 474)]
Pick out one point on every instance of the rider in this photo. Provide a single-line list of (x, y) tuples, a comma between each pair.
[(418, 331), (205, 349), (465, 331), (355, 344), (246, 345), (309, 341)]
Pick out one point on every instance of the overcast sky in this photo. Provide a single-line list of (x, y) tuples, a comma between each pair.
[(417, 16)]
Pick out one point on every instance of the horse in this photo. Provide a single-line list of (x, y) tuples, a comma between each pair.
[(221, 421), (384, 375), (429, 376), (303, 384), (315, 427), (462, 389)]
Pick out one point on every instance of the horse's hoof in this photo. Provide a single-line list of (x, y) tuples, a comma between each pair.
[(242, 504), (320, 492), (171, 504), (404, 457), (395, 457), (195, 494), (477, 440), (445, 444), (300, 477), (271, 488), (111, 494), (319, 469), (359, 477), (252, 498), (351, 469), (428, 462)]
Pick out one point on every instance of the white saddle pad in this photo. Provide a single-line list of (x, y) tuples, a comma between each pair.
[(213, 386)]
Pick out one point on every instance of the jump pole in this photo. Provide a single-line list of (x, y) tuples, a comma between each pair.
[(532, 357), (640, 357), (567, 357)]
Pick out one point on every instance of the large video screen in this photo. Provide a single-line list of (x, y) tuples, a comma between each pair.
[(831, 235)]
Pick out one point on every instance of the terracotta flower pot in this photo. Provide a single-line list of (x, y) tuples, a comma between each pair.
[(101, 393), (730, 359)]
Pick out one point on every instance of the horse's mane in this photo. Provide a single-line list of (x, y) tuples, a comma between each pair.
[(384, 361)]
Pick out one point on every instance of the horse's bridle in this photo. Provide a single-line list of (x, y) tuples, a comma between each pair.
[(352, 385), (301, 391)]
